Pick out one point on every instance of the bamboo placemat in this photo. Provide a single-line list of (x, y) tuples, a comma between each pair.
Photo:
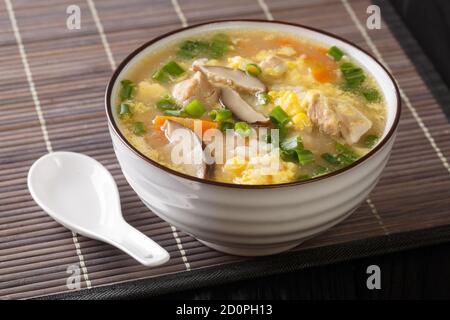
[(52, 82)]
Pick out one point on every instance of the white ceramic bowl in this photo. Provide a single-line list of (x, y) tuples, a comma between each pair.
[(254, 220)]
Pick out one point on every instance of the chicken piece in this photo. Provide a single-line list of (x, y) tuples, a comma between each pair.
[(196, 87), (353, 124), (336, 118), (273, 66), (321, 113)]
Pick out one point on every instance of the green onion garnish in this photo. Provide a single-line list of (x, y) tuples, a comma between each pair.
[(267, 138), (336, 53), (320, 170), (173, 69), (292, 143), (138, 128), (279, 117), (127, 89), (305, 156), (224, 126), (371, 95), (330, 159), (370, 141), (262, 98), (253, 69), (220, 115), (218, 46), (214, 49), (166, 103), (124, 109), (242, 128), (170, 69), (195, 108), (160, 76), (175, 113), (292, 149), (353, 75), (346, 152), (303, 177)]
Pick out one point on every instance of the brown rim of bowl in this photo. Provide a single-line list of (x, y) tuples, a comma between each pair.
[(116, 130)]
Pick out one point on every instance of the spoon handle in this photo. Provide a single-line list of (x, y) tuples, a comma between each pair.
[(138, 245)]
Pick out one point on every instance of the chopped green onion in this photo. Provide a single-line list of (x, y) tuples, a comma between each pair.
[(138, 128), (242, 128), (253, 69), (214, 49), (330, 159), (353, 75), (166, 103), (161, 76), (336, 53), (279, 117), (220, 115), (370, 141), (305, 156), (303, 177), (224, 126), (218, 46), (195, 108), (175, 113), (171, 68), (282, 132), (191, 49), (292, 149), (320, 170), (292, 143), (267, 138), (127, 90), (346, 152), (124, 109), (262, 98), (371, 95)]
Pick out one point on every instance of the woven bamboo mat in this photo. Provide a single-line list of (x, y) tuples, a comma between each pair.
[(52, 82)]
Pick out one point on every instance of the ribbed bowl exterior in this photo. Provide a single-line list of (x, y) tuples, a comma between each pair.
[(251, 221)]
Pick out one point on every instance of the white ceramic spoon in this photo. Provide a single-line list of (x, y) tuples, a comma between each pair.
[(81, 194)]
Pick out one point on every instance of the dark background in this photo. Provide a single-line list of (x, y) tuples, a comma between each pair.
[(415, 274)]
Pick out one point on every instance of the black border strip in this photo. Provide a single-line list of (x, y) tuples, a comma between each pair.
[(261, 267), (292, 261)]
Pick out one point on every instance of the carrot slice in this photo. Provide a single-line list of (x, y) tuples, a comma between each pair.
[(323, 68), (193, 124)]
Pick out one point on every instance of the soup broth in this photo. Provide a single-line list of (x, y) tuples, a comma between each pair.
[(283, 108)]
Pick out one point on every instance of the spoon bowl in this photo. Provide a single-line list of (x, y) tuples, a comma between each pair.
[(81, 194)]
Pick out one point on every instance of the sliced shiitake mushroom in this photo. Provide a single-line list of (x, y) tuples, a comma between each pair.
[(234, 78), (176, 133), (240, 108)]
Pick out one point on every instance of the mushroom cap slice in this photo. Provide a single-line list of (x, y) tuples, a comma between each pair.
[(192, 162), (233, 78), (240, 108)]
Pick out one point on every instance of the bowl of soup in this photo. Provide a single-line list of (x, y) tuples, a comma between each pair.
[(252, 136)]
